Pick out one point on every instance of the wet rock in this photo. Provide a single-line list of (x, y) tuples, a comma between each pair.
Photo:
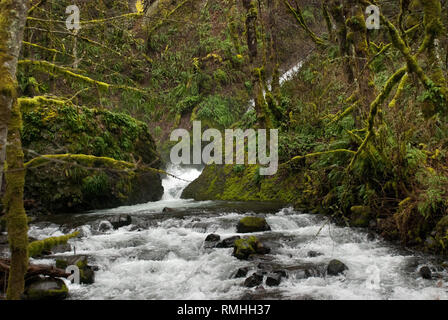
[(120, 221), (62, 248), (282, 273), (371, 236), (244, 248), (167, 210), (425, 273), (241, 273), (46, 289), (252, 224), (273, 279), (105, 226), (86, 272), (212, 238), (314, 254), (312, 273), (336, 267), (254, 280), (228, 243)]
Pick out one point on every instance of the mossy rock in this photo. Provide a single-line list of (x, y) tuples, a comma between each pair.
[(360, 216), (86, 272), (243, 183), (244, 248), (97, 181), (46, 289), (252, 224)]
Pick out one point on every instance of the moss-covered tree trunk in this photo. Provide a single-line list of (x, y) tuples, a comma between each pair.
[(16, 218), (12, 21), (337, 12), (358, 38), (251, 28)]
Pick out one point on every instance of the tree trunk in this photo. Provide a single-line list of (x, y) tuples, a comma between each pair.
[(251, 28), (337, 12), (12, 22)]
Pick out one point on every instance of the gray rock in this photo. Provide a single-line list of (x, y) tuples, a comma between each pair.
[(314, 254), (336, 267), (241, 273), (254, 280), (273, 279), (213, 238), (425, 273), (105, 226), (228, 243), (120, 221)]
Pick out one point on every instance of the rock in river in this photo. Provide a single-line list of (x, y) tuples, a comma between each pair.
[(425, 273), (254, 280), (273, 279), (212, 238), (252, 224), (46, 289), (228, 243), (244, 248), (120, 221), (336, 267)]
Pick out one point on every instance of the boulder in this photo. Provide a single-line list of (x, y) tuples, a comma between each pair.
[(120, 221), (252, 224), (273, 279), (425, 273), (167, 210), (254, 280), (212, 238), (228, 243), (314, 254), (46, 289), (105, 226), (246, 247), (241, 273), (86, 272), (336, 267)]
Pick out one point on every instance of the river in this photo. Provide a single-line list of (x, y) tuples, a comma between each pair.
[(162, 255)]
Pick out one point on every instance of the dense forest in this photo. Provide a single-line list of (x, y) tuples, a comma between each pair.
[(91, 91)]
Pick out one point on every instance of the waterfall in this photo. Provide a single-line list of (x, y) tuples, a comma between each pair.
[(174, 186)]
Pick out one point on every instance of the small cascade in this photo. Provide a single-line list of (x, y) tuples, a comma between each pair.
[(181, 177)]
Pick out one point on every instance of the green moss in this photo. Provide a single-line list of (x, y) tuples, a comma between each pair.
[(36, 248), (243, 248), (51, 294)]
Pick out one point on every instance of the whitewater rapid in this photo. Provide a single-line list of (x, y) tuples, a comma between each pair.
[(167, 259)]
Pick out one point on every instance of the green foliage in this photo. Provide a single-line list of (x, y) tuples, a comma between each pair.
[(218, 110)]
